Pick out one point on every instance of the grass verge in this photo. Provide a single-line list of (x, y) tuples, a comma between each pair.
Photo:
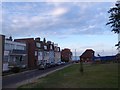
[(95, 76)]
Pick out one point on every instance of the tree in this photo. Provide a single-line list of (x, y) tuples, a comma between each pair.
[(114, 18)]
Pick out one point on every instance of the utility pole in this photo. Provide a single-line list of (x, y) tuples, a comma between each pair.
[(75, 55), (112, 51), (102, 52)]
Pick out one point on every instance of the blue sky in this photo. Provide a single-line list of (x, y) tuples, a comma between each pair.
[(74, 25)]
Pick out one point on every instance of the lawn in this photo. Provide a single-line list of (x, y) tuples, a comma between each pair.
[(95, 76)]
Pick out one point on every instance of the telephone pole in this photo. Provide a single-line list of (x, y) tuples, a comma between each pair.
[(75, 55)]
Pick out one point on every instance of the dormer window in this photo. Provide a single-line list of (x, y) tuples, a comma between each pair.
[(45, 47)]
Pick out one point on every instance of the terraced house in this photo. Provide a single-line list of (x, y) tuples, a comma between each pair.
[(15, 54), (30, 53), (30, 42), (51, 53), (57, 54), (41, 54)]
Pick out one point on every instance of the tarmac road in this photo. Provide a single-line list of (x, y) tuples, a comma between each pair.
[(13, 81)]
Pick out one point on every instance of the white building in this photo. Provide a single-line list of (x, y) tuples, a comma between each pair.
[(10, 45), (57, 55), (14, 54), (51, 55)]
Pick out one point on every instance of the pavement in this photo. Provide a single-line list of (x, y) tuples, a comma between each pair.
[(27, 77)]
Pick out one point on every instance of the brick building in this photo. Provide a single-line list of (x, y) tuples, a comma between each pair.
[(87, 56), (41, 52), (66, 55), (31, 46)]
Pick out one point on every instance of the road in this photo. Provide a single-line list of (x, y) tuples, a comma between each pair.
[(13, 81)]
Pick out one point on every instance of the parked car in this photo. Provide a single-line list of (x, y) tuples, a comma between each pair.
[(62, 63), (77, 61), (48, 65), (59, 63), (52, 64), (42, 65)]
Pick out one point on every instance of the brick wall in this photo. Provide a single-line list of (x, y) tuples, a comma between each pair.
[(32, 62), (87, 56)]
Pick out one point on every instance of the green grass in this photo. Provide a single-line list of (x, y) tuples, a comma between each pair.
[(95, 76)]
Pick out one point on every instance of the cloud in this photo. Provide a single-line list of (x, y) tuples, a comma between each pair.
[(59, 11), (66, 22), (63, 18)]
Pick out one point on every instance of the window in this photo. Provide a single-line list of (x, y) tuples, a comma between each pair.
[(51, 47), (7, 46), (35, 53), (45, 47), (5, 59), (57, 49), (38, 45), (20, 47)]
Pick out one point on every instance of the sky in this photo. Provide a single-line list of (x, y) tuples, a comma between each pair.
[(74, 25)]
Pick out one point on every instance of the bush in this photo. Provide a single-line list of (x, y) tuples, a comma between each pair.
[(15, 69)]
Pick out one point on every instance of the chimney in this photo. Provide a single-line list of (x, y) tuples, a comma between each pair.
[(44, 40), (49, 42), (10, 38), (37, 39)]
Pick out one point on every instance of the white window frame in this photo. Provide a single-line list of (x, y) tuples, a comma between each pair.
[(35, 53)]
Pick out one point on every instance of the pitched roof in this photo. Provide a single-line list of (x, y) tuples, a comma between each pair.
[(88, 53)]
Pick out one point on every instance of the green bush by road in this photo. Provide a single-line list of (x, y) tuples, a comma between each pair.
[(95, 76)]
